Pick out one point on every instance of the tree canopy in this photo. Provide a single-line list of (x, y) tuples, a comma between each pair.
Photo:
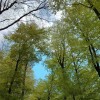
[(71, 47)]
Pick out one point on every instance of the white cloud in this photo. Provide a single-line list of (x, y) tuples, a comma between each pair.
[(58, 15), (41, 23)]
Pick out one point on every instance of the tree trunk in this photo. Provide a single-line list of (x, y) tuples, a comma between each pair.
[(65, 98), (74, 97), (23, 87), (64, 78), (77, 75), (94, 59), (93, 54), (13, 78), (48, 96), (61, 61)]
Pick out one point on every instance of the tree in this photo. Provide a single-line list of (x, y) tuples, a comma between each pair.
[(89, 4), (77, 58), (72, 50), (87, 34), (26, 43)]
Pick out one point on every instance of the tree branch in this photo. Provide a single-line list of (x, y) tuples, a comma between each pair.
[(7, 8), (80, 4), (42, 18), (5, 20), (94, 9), (38, 8)]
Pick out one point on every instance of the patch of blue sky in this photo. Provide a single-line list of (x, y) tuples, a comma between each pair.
[(40, 71)]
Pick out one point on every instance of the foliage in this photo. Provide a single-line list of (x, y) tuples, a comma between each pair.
[(72, 48)]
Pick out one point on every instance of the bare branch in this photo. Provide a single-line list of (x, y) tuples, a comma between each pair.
[(38, 8), (0, 4), (7, 8), (5, 4), (41, 18), (6, 20)]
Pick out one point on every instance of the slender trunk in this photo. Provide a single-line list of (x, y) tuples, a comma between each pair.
[(65, 98), (77, 76), (48, 96), (23, 87), (13, 78), (63, 74), (93, 54), (51, 86), (94, 59), (61, 61), (74, 97), (64, 87)]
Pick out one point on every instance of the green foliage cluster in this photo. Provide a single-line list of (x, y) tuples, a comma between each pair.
[(17, 80)]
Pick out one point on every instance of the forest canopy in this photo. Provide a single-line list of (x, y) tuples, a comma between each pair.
[(71, 46)]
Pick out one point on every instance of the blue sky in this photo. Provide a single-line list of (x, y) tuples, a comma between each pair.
[(39, 70)]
